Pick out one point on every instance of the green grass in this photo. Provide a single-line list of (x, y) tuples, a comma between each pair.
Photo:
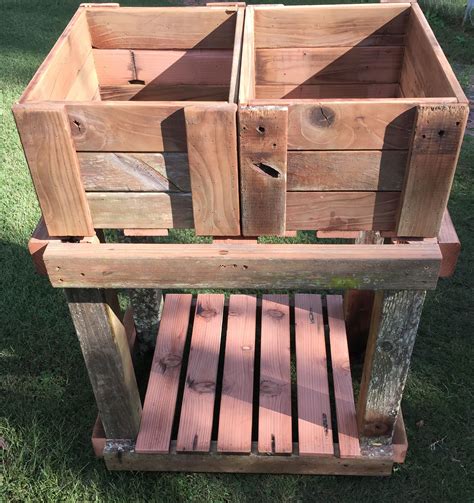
[(47, 406)]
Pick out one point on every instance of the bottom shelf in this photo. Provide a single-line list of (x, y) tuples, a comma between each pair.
[(250, 386)]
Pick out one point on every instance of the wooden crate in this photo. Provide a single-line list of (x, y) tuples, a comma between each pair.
[(351, 118), (132, 109)]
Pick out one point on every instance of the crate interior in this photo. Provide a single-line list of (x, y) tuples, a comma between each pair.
[(345, 51)]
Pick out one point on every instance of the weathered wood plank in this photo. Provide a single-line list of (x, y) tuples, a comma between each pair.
[(235, 416), (162, 389), (342, 378), (188, 92), (247, 71), (195, 423), (395, 319), (263, 166), (213, 167), (342, 210), (332, 91), (337, 25), (119, 210), (124, 172), (278, 266), (434, 153), (107, 356), (314, 409), (328, 65), (449, 245), (351, 170), (162, 28), (54, 168), (274, 414)]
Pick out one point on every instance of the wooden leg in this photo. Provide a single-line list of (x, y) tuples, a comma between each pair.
[(395, 318), (107, 356)]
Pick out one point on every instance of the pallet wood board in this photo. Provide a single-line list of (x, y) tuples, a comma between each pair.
[(181, 92), (328, 91)]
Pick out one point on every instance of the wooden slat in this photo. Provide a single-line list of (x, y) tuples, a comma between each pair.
[(274, 413), (337, 25), (342, 210), (351, 170), (341, 374), (161, 395), (162, 28), (333, 91), (247, 72), (145, 232), (119, 210), (449, 245), (195, 424), (54, 168), (314, 410), (156, 68), (124, 172), (278, 266), (235, 417), (237, 54), (213, 166), (328, 65), (85, 86), (189, 92), (432, 162), (263, 158), (346, 125)]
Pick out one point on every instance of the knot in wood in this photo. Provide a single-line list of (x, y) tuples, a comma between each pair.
[(275, 314), (201, 386), (205, 313), (271, 388), (171, 360), (322, 117)]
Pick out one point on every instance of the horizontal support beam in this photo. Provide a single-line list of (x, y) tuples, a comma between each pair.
[(278, 266)]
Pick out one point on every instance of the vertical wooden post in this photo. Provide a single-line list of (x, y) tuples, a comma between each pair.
[(107, 356), (395, 318)]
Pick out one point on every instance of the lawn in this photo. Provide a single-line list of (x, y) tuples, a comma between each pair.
[(47, 406)]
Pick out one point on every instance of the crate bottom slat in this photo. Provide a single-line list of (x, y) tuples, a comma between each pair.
[(263, 344)]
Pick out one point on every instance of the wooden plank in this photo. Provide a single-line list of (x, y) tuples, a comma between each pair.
[(213, 166), (274, 413), (342, 210), (162, 28), (139, 92), (162, 389), (436, 144), (280, 266), (85, 87), (395, 319), (337, 25), (350, 125), (449, 245), (351, 170), (341, 373), (54, 168), (235, 416), (107, 356), (247, 72), (328, 65), (314, 409), (134, 172), (121, 210), (333, 91), (121, 456), (195, 424), (145, 232), (156, 68), (426, 71), (237, 54), (263, 158), (37, 245)]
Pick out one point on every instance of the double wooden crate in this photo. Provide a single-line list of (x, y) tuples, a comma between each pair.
[(240, 122)]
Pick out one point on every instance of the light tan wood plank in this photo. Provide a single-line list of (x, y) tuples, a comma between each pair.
[(263, 165), (449, 245), (121, 210), (54, 168), (162, 28), (237, 55), (150, 92), (85, 86), (328, 65), (334, 91), (342, 210), (131, 172), (381, 170), (314, 410), (195, 424), (162, 389), (235, 416), (341, 373), (145, 232), (213, 167), (346, 125), (326, 26), (274, 416), (247, 72), (437, 140)]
